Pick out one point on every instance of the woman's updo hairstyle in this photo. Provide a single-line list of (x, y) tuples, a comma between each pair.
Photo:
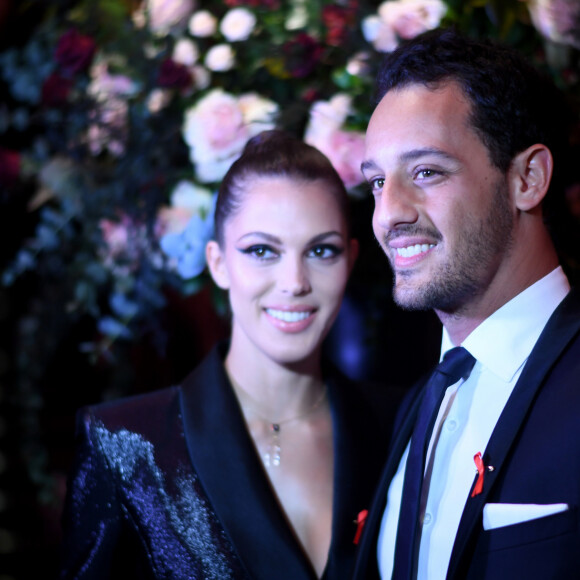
[(274, 154)]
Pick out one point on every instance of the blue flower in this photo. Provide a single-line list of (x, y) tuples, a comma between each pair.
[(187, 248)]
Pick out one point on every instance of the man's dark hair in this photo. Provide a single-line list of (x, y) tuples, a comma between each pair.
[(513, 104)]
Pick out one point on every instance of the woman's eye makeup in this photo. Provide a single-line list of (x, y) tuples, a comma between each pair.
[(261, 251), (325, 251)]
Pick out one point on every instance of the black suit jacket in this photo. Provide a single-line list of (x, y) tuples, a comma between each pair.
[(169, 485), (535, 452)]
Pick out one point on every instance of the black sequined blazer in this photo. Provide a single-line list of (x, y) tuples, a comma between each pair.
[(169, 485)]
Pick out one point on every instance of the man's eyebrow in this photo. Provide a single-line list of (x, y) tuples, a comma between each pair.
[(412, 155), (418, 153)]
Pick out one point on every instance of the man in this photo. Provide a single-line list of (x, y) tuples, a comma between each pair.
[(459, 156)]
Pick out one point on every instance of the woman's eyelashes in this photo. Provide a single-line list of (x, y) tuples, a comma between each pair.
[(325, 251), (265, 252), (261, 252)]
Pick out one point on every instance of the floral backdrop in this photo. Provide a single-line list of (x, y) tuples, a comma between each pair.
[(118, 118)]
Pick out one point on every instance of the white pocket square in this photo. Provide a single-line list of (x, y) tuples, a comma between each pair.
[(498, 515)]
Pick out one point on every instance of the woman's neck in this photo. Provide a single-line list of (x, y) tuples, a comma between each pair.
[(275, 391)]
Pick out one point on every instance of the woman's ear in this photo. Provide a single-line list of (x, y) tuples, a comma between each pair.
[(216, 264), (529, 175)]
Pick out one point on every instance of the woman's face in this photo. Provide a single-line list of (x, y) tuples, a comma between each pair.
[(285, 260)]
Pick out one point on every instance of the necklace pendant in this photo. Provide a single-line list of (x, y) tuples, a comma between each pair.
[(272, 457)]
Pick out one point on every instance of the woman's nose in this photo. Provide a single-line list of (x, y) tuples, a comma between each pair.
[(294, 277)]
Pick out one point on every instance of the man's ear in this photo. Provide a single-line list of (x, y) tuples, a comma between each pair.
[(216, 264), (529, 176)]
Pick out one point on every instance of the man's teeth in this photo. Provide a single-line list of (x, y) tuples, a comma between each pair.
[(288, 316), (411, 251)]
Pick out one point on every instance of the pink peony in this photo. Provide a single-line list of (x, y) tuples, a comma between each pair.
[(557, 20), (402, 19), (219, 125)]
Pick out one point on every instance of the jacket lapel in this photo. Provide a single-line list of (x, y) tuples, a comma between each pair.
[(230, 471), (562, 327)]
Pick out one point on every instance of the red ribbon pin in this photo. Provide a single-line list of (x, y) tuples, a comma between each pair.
[(480, 470), (360, 522)]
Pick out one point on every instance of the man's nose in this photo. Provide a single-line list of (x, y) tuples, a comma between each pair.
[(395, 205)]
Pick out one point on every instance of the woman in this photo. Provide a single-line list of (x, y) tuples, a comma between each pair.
[(259, 464)]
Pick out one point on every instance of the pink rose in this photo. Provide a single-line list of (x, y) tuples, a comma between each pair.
[(345, 149), (115, 235), (108, 130), (104, 85), (74, 52)]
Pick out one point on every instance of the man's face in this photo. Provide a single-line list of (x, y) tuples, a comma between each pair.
[(443, 213)]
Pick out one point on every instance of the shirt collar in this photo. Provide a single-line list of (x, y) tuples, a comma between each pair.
[(504, 340)]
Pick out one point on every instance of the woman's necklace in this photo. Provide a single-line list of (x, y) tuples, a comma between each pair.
[(273, 454)]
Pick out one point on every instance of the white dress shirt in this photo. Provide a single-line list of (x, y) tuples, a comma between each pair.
[(501, 344)]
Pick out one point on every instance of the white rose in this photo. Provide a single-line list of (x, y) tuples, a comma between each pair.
[(165, 15), (298, 17), (358, 65), (203, 24), (185, 52), (379, 34), (258, 110), (327, 116), (158, 99), (201, 77), (220, 58), (238, 24), (188, 195)]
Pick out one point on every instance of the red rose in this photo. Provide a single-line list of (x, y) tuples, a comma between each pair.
[(9, 167), (301, 55), (339, 21), (74, 52), (174, 75), (55, 90)]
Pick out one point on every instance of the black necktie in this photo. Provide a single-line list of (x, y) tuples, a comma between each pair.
[(456, 364)]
